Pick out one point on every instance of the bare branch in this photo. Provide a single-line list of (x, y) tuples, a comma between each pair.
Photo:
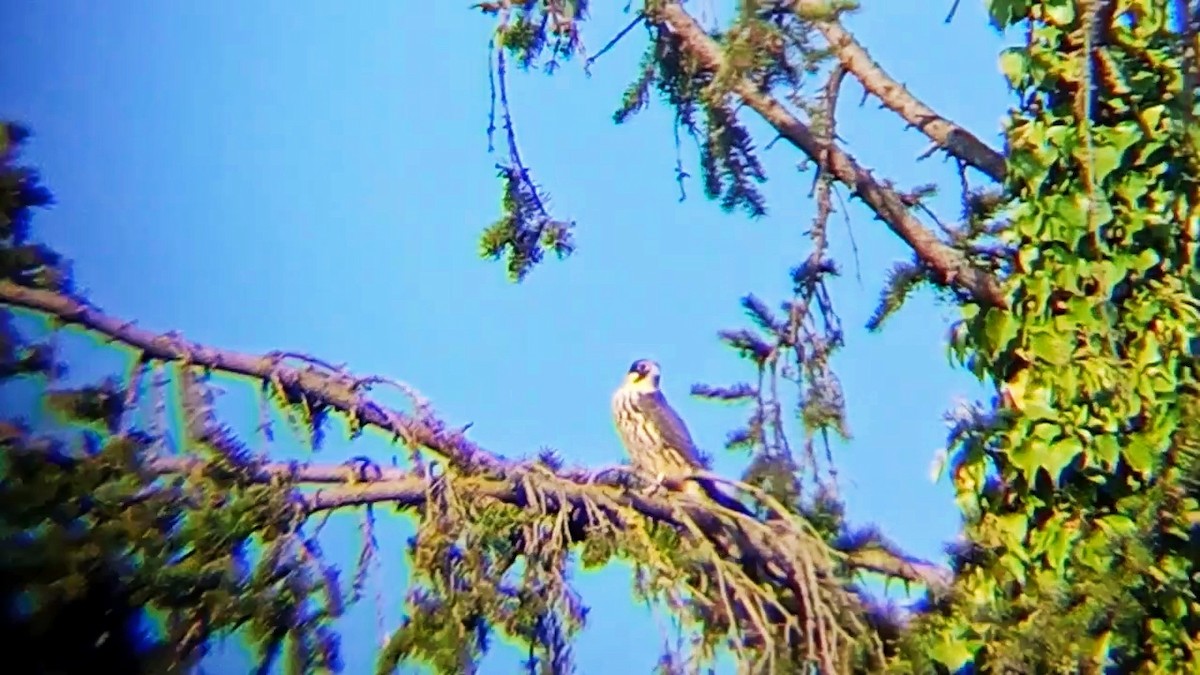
[(954, 139), (949, 264), (890, 564)]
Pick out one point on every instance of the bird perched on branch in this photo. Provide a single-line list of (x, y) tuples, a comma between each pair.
[(659, 445)]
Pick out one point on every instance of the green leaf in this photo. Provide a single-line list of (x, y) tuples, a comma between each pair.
[(1014, 63), (1046, 432), (1095, 552), (954, 654), (1164, 382), (1063, 137), (1037, 288), (1151, 116), (1132, 187), (1079, 311), (1146, 259), (1069, 275), (1150, 352), (1109, 274), (1026, 257), (1027, 457), (1124, 135), (1060, 454), (1058, 540), (1142, 313), (1050, 348), (1007, 12), (1139, 454), (1059, 12), (1073, 210), (1106, 449), (1117, 525), (1175, 608), (1036, 411), (1105, 160), (1025, 164), (1012, 528), (1011, 562), (1000, 327), (1101, 213)]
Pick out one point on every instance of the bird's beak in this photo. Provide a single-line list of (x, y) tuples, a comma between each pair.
[(633, 377)]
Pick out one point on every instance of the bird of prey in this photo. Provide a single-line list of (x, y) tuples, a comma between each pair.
[(656, 439)]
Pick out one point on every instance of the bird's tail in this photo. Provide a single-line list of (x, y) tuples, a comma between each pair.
[(704, 487)]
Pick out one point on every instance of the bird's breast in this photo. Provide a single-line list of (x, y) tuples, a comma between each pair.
[(635, 428)]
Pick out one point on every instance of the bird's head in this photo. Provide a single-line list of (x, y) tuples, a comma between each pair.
[(643, 375)]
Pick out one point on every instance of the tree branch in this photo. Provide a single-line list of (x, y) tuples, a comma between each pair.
[(337, 390), (573, 492), (581, 494), (948, 263), (954, 139)]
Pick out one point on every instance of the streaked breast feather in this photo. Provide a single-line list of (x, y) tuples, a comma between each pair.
[(641, 439)]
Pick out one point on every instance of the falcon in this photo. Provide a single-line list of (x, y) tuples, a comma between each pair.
[(655, 437)]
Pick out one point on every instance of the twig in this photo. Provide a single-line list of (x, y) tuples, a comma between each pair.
[(587, 65)]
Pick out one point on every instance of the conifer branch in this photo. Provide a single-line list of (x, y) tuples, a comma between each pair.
[(951, 266), (339, 391), (573, 491), (582, 495)]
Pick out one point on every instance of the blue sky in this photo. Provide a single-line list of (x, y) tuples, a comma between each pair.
[(313, 177)]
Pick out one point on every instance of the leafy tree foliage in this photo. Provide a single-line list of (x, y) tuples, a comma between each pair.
[(1075, 272)]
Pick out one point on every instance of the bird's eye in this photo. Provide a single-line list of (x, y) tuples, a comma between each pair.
[(638, 367)]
